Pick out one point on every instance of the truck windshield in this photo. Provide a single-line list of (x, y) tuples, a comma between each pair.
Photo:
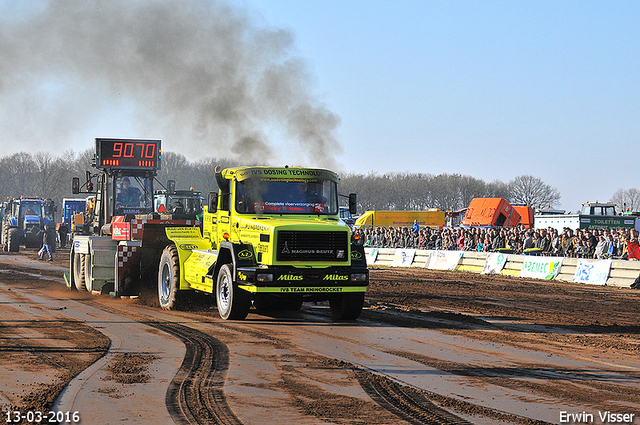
[(286, 197), (133, 195), (32, 208), (177, 203), (599, 210)]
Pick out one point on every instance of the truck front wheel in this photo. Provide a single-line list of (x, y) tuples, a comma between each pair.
[(347, 306), (233, 303), (169, 278)]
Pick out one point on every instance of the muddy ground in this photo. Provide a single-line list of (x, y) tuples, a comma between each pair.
[(594, 317)]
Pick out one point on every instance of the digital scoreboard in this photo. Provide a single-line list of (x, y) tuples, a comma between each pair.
[(129, 154)]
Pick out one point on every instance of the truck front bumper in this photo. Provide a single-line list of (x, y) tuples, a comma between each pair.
[(303, 281)]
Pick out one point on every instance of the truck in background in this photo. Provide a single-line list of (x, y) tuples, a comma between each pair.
[(24, 220), (347, 217), (71, 218), (434, 219), (181, 203), (490, 212), (592, 215), (526, 214)]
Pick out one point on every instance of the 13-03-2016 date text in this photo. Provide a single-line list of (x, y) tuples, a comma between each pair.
[(35, 416)]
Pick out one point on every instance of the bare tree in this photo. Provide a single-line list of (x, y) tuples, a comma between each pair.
[(627, 200), (497, 189), (19, 174), (175, 166), (48, 174), (530, 190), (50, 177)]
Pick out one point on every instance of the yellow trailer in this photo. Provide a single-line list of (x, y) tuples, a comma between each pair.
[(432, 218)]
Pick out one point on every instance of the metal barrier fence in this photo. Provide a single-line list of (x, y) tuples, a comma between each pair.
[(621, 273)]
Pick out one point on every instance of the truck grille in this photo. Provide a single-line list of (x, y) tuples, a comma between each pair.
[(314, 246)]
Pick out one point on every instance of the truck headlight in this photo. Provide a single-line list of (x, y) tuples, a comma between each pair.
[(264, 277), (358, 277)]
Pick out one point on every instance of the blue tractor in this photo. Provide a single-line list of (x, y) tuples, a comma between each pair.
[(23, 222)]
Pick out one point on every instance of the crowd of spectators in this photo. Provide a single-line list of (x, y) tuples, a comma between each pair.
[(580, 243)]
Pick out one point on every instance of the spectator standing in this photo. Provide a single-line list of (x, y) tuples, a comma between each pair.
[(590, 249), (568, 248), (62, 235), (528, 241), (48, 237), (544, 242), (499, 240), (601, 247), (460, 240)]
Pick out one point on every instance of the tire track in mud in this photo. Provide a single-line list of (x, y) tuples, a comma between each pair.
[(195, 395), (196, 392), (422, 407), (405, 402), (402, 401), (414, 405)]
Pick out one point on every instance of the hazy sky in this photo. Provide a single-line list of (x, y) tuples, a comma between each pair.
[(489, 89)]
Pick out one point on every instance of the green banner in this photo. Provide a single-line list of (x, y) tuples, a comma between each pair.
[(606, 222)]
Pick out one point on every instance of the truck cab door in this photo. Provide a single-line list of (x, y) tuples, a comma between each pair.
[(223, 220)]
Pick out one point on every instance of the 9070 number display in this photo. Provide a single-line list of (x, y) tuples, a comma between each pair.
[(128, 154)]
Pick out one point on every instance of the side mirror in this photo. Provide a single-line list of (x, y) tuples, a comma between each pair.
[(213, 202), (75, 185), (353, 203), (171, 187)]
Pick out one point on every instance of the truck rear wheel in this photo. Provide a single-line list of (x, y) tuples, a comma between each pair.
[(347, 306), (233, 303), (13, 240), (169, 278), (78, 271)]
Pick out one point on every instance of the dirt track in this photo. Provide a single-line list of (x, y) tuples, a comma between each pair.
[(492, 349)]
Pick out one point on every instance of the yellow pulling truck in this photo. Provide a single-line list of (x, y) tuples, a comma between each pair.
[(272, 237)]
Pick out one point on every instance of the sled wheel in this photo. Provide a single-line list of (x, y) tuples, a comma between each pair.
[(88, 272), (78, 271)]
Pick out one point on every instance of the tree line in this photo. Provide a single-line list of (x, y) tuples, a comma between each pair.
[(48, 176)]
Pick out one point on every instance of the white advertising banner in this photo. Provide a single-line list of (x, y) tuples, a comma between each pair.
[(372, 256), (592, 272), (541, 267), (494, 263), (403, 257), (443, 260)]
